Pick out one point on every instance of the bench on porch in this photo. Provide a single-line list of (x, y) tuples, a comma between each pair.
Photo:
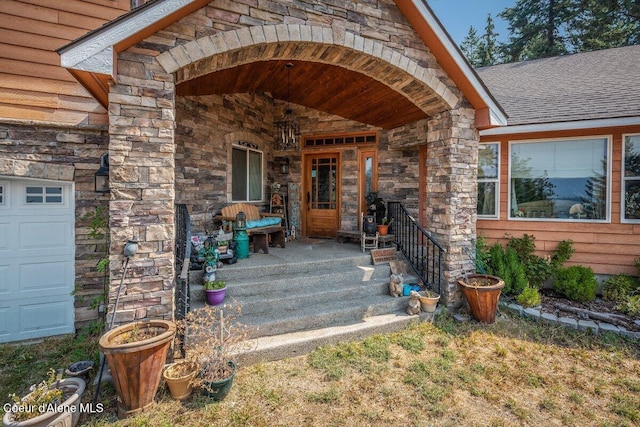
[(264, 228)]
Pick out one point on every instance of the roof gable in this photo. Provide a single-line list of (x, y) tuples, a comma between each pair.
[(91, 58)]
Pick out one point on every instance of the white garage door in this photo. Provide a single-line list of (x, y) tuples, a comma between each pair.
[(36, 259)]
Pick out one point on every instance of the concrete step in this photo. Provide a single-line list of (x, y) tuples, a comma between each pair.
[(276, 347), (308, 295), (275, 286)]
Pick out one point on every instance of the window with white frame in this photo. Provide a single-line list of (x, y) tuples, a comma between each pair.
[(488, 180), (559, 179), (43, 195), (1, 194), (631, 179), (246, 174)]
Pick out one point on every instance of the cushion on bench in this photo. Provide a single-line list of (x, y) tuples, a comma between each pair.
[(264, 222)]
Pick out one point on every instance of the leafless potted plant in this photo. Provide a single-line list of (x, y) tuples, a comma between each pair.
[(214, 338)]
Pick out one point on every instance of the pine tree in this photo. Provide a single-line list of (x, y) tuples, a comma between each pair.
[(483, 50), (488, 51), (537, 29), (601, 24), (470, 46)]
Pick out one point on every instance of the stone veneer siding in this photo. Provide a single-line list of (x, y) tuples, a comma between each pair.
[(372, 38), (70, 154)]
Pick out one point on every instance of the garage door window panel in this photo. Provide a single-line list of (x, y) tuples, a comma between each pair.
[(43, 195)]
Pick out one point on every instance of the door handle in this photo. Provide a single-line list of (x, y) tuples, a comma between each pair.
[(308, 201)]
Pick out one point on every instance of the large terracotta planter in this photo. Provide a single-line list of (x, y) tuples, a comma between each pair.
[(65, 418), (136, 367), (482, 293)]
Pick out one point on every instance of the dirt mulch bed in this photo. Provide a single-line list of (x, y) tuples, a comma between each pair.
[(597, 310)]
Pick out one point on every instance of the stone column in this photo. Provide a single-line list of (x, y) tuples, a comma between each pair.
[(142, 175), (452, 167)]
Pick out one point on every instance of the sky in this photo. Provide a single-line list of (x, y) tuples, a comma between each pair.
[(458, 15)]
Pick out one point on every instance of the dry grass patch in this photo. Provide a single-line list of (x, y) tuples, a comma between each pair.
[(513, 372)]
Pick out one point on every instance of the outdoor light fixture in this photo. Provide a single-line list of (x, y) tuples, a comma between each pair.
[(284, 164), (102, 175), (130, 248), (287, 127)]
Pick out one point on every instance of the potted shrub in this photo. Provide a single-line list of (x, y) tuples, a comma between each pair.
[(214, 339), (216, 290), (52, 402), (136, 353), (179, 377), (383, 228), (429, 301), (482, 292)]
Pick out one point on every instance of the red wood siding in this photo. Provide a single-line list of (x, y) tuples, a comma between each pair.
[(33, 86), (609, 248)]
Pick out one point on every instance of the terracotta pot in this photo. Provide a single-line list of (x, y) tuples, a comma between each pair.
[(68, 417), (136, 367), (383, 229), (482, 298), (180, 386), (428, 304)]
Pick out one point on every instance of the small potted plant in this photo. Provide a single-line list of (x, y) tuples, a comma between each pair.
[(223, 246), (179, 377), (216, 291), (429, 301), (383, 228), (52, 402), (214, 339)]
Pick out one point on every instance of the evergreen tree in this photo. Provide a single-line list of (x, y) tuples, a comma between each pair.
[(601, 24), (483, 50), (488, 50), (470, 46), (537, 29)]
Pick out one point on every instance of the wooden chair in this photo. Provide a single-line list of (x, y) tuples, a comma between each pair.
[(367, 241)]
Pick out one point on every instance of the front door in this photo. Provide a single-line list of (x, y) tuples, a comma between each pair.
[(322, 194)]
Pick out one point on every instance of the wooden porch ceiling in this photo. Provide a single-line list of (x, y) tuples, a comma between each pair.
[(324, 87)]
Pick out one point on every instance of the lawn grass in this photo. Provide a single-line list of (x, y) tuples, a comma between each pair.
[(513, 372)]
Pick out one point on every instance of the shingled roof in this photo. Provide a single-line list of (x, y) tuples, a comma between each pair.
[(603, 84)]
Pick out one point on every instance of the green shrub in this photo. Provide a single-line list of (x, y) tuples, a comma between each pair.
[(618, 288), (516, 276), (482, 254), (530, 297), (562, 253), (506, 265), (496, 263), (631, 306), (537, 269), (577, 283)]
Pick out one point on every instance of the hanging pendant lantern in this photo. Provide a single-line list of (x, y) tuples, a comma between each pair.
[(288, 130)]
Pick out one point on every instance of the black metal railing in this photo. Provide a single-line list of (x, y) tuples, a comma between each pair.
[(182, 255), (424, 253)]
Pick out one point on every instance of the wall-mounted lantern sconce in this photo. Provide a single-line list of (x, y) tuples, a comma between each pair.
[(284, 166), (102, 175)]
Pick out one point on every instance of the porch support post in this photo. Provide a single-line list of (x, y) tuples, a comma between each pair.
[(142, 174), (451, 193)]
